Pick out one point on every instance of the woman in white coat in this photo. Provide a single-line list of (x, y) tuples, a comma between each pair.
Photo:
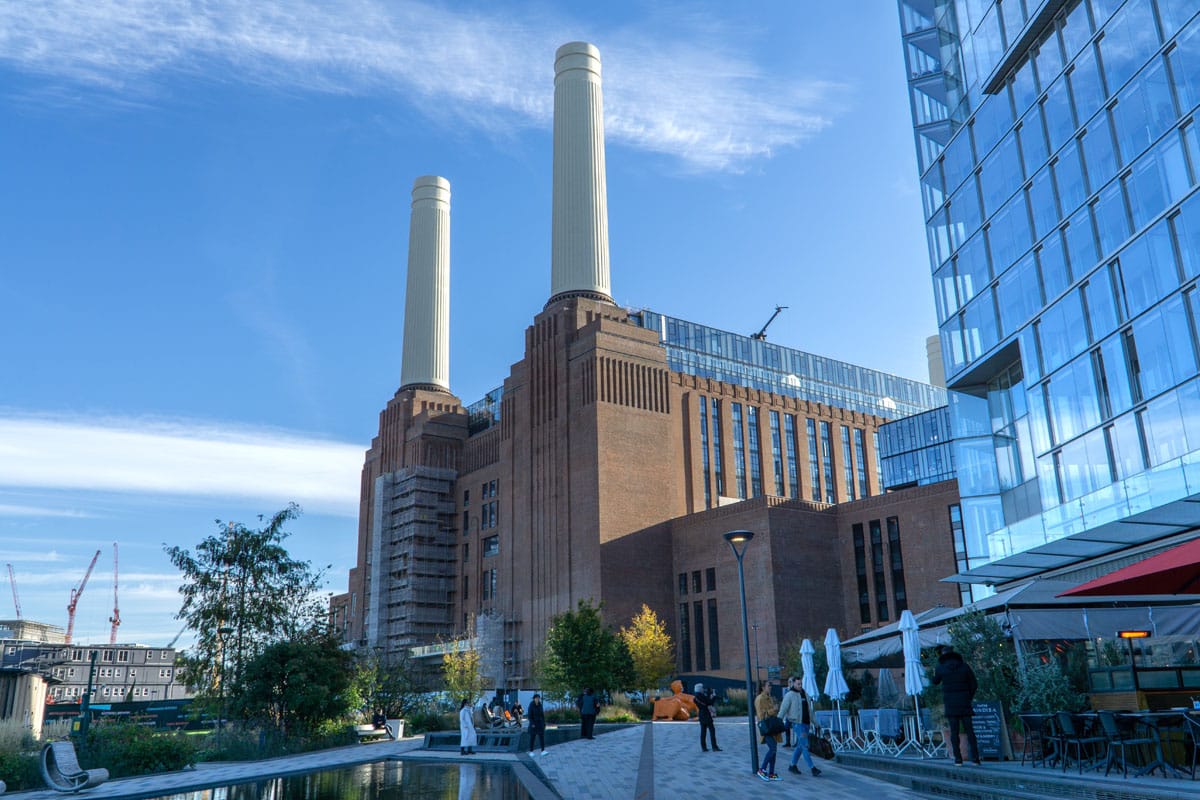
[(466, 729)]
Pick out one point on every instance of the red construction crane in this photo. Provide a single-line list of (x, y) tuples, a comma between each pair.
[(75, 593), (115, 619), (13, 582)]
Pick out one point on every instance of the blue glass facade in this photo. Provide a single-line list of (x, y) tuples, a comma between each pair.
[(1059, 160), (706, 352)]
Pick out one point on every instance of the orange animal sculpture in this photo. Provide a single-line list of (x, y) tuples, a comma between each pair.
[(679, 706)]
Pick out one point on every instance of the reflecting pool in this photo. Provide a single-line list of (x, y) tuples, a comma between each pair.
[(384, 780)]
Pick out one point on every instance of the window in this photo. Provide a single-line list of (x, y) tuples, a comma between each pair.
[(704, 465), (696, 582), (710, 579), (814, 467), (789, 429), (897, 563), (847, 463), (466, 523), (860, 565), (827, 461), (860, 462), (698, 609), (466, 593), (107, 656), (466, 498), (881, 603), (777, 453), (164, 673), (683, 583), (489, 584), (491, 546), (714, 648), (466, 552), (756, 485), (685, 638), (123, 655), (739, 450), (716, 447)]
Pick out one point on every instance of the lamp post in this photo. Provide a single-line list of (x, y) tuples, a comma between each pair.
[(757, 663), (741, 539), (222, 632)]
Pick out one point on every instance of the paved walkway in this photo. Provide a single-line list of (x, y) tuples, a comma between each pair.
[(662, 761)]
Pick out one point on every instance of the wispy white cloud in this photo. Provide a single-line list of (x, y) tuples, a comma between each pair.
[(15, 510), (178, 458), (691, 96)]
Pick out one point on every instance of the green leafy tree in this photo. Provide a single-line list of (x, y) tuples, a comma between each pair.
[(241, 592), (462, 668), (988, 650), (295, 686), (650, 649), (388, 682), (581, 651)]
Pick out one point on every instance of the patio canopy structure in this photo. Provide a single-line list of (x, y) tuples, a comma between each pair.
[(1036, 610), (1172, 572)]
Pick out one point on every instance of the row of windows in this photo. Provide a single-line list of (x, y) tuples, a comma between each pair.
[(872, 570), (691, 621), (114, 692), (854, 454), (710, 581)]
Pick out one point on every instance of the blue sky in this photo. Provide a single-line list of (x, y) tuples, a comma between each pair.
[(204, 220)]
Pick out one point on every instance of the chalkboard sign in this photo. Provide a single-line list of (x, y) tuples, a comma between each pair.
[(989, 730)]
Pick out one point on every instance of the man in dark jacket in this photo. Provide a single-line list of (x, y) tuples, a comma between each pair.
[(589, 706), (958, 691), (705, 700)]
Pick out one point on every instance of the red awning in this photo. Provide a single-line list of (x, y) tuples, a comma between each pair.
[(1175, 571)]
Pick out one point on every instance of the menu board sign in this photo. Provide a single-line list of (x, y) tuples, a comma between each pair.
[(989, 730)]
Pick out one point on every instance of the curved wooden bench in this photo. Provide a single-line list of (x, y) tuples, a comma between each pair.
[(61, 770)]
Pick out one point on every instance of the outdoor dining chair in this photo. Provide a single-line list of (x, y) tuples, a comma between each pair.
[(1072, 735), (1118, 740), (1192, 726), (1038, 734)]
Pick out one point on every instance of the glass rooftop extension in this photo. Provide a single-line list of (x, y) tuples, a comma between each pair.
[(705, 352)]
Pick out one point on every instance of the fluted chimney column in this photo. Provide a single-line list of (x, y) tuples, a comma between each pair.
[(426, 360), (579, 245)]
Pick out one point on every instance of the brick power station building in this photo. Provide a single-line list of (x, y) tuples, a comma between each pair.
[(615, 454)]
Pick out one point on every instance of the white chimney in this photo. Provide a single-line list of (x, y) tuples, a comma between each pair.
[(579, 245), (426, 360)]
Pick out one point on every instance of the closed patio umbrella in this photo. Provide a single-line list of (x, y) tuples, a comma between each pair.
[(808, 677), (835, 681), (888, 691), (914, 672)]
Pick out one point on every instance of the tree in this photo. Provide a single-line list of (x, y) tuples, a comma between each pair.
[(462, 668), (241, 592), (294, 686), (387, 682), (987, 648), (581, 651), (650, 649)]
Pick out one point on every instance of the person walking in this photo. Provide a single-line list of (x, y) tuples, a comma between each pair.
[(537, 725), (466, 729), (589, 706), (958, 692), (705, 700), (795, 710), (765, 708)]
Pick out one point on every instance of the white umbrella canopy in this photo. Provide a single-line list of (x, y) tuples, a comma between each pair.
[(888, 691), (808, 677), (914, 673), (835, 681)]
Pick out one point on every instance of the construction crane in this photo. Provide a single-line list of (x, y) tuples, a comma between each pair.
[(75, 593), (115, 619), (171, 643), (12, 580), (762, 333)]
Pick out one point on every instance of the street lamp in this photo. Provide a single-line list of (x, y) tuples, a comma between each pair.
[(757, 663), (740, 539), (222, 632)]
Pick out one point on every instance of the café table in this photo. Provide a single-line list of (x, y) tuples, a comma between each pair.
[(1157, 723)]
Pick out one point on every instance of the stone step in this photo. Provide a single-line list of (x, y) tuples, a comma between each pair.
[(939, 778)]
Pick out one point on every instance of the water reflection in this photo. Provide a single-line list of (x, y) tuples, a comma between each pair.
[(385, 780)]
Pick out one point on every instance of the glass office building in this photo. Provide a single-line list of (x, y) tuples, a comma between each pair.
[(1059, 159), (916, 450), (696, 349)]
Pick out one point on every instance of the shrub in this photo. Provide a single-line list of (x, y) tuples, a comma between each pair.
[(643, 710), (561, 716), (1044, 688), (616, 714), (127, 748), (20, 770)]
